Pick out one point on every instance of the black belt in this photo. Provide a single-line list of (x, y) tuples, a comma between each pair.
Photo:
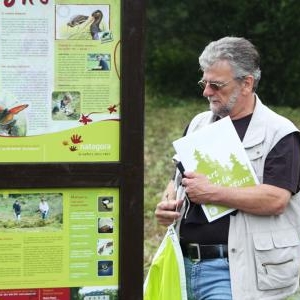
[(197, 252)]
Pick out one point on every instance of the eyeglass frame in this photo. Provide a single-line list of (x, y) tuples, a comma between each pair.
[(215, 85)]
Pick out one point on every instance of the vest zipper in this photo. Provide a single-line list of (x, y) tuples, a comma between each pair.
[(265, 265)]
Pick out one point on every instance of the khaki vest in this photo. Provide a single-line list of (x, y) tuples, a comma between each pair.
[(264, 251)]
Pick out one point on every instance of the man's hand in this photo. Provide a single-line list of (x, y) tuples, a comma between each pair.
[(167, 211), (198, 188), (260, 199)]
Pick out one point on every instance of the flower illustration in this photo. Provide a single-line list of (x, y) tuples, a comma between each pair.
[(112, 108), (85, 119)]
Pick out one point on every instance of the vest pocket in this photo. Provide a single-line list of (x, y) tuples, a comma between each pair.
[(277, 259), (255, 154)]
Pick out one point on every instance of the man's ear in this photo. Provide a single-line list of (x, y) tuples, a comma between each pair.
[(247, 84)]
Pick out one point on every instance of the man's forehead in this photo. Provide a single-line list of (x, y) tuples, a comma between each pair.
[(219, 68)]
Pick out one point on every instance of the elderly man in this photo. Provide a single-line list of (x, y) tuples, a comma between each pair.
[(252, 253), (43, 208)]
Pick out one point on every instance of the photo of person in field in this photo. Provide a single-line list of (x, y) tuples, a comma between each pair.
[(40, 212)]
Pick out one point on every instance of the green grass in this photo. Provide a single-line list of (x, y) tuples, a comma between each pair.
[(165, 122)]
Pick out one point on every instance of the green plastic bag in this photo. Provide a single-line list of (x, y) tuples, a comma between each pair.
[(166, 277)]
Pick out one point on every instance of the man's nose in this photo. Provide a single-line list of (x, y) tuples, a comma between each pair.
[(208, 91)]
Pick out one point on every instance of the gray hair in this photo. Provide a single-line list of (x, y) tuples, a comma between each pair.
[(240, 53)]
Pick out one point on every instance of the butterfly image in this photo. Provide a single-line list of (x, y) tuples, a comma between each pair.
[(7, 114)]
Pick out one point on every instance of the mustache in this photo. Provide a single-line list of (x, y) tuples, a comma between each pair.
[(209, 98)]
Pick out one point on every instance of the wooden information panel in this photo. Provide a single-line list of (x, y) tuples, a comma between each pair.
[(71, 149)]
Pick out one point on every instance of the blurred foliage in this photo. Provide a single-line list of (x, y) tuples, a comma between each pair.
[(178, 31)]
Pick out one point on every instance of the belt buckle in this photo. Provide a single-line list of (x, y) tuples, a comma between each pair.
[(194, 252)]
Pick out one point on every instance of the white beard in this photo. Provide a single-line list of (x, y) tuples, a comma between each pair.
[(224, 110)]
